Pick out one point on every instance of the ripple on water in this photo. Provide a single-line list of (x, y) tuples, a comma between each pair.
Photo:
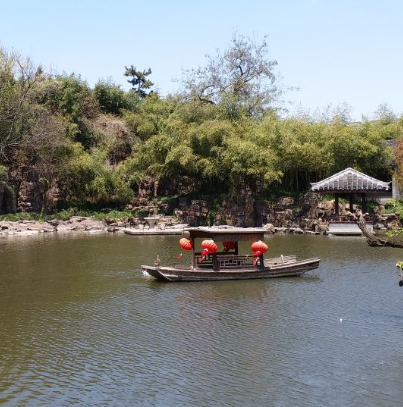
[(92, 331)]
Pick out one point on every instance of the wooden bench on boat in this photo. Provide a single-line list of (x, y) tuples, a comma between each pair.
[(280, 260)]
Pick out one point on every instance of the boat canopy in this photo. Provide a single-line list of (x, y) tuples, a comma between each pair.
[(224, 234)]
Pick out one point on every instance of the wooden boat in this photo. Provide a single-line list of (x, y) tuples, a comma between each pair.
[(229, 264)]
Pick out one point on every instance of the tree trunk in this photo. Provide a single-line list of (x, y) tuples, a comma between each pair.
[(373, 240)]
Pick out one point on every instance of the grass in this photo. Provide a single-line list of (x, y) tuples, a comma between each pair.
[(66, 214), (15, 217)]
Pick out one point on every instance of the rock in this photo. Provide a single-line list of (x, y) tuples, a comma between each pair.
[(285, 201), (109, 222), (269, 227), (281, 229), (394, 224), (296, 230)]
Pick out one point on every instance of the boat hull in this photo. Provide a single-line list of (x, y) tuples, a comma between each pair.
[(294, 269)]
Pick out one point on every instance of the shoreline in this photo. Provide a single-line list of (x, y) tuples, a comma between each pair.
[(88, 225), (77, 224)]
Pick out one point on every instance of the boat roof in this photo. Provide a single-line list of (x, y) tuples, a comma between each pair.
[(224, 234)]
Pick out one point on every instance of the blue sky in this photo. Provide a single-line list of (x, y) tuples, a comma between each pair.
[(335, 51)]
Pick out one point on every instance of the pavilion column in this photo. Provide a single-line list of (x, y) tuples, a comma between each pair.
[(336, 204), (364, 203), (351, 202), (194, 261)]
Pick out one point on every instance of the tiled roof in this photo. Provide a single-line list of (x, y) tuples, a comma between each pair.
[(350, 180)]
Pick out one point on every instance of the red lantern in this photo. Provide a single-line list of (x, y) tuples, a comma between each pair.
[(257, 253), (259, 246), (186, 244), (228, 246), (210, 246)]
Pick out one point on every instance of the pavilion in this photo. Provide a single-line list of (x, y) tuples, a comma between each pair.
[(351, 184)]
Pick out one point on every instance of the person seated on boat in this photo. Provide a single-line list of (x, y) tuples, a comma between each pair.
[(157, 261)]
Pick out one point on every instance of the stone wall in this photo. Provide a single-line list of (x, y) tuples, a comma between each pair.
[(7, 196), (30, 196), (194, 214), (24, 192), (310, 213), (239, 211), (245, 210)]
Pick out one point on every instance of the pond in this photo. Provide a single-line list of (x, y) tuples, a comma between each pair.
[(81, 325)]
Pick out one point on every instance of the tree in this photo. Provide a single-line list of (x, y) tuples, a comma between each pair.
[(139, 80), (86, 176), (111, 98), (18, 78), (393, 239), (71, 97), (242, 78), (385, 114)]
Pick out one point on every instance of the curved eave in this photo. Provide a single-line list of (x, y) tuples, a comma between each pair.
[(350, 181), (222, 235), (352, 191)]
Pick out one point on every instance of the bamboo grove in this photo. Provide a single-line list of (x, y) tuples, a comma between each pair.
[(106, 145)]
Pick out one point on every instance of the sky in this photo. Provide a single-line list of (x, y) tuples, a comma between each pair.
[(336, 52)]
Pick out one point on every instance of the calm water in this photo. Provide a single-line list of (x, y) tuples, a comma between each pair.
[(79, 325)]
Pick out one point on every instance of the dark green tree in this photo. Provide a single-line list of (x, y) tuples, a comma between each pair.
[(139, 80), (111, 98)]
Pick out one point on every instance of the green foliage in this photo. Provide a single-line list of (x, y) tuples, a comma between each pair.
[(66, 214), (18, 78), (3, 173), (150, 116), (221, 134), (114, 214), (111, 98), (139, 80), (87, 177), (241, 79), (71, 96), (394, 206), (16, 217)]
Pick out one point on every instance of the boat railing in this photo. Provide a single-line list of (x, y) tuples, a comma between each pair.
[(234, 261), (224, 261)]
